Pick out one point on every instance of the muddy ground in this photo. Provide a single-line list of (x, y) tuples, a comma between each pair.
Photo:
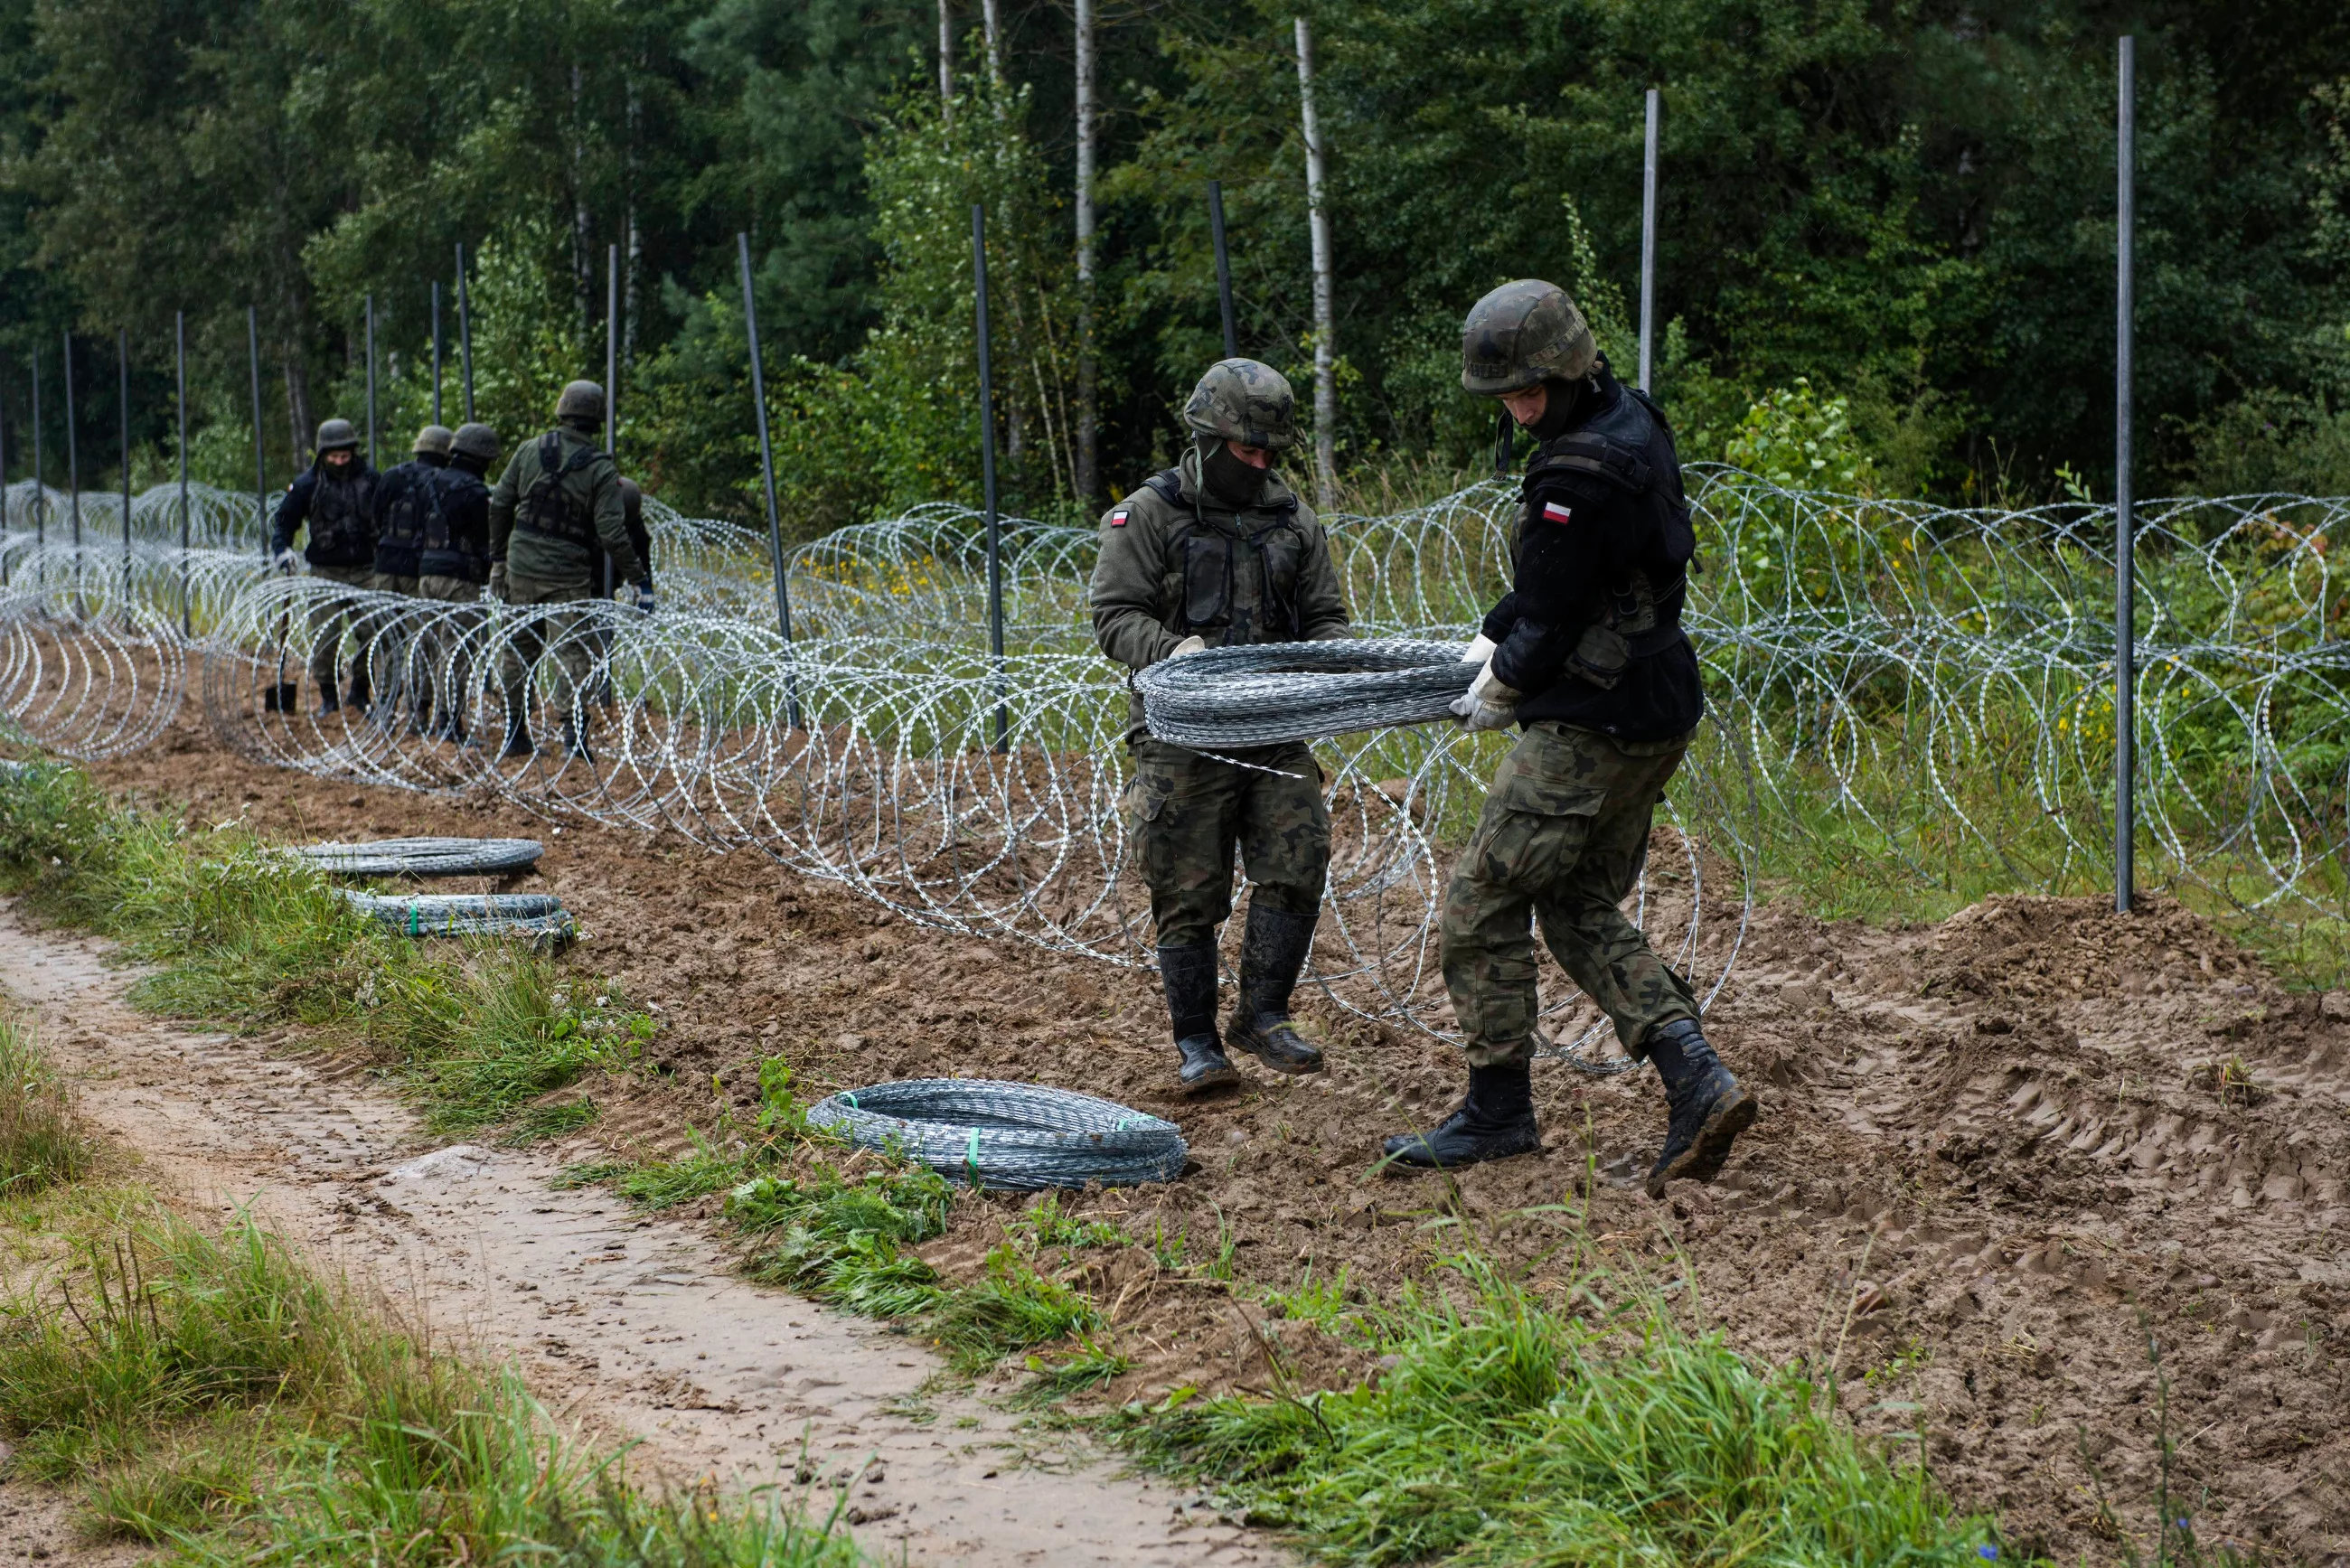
[(1997, 1153)]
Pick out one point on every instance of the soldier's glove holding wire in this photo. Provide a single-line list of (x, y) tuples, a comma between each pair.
[(1189, 645), (1480, 651), (1487, 704), (643, 598), (284, 563), (498, 589)]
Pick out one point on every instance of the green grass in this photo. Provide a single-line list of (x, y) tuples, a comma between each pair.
[(237, 935), (1506, 1431), (208, 1393), (42, 1142)]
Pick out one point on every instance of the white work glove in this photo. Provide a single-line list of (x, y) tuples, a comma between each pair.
[(1480, 651), (1189, 645), (1487, 704), (642, 597), (285, 562)]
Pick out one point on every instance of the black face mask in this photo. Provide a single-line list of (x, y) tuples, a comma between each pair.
[(1558, 413), (1230, 481)]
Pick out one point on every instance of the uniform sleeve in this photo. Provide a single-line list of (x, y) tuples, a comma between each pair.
[(501, 504), (293, 509), (613, 525), (1321, 597), (1126, 612), (1560, 576)]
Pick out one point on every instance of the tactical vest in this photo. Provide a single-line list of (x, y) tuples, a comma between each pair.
[(547, 508), (341, 517), (1211, 603), (441, 537), (413, 509), (1628, 449)]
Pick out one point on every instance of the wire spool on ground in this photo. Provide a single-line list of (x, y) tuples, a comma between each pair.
[(1263, 694), (536, 916), (1019, 1137), (424, 857)]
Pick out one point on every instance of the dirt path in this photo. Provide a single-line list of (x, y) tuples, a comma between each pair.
[(637, 1324)]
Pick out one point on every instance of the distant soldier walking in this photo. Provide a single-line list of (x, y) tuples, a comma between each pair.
[(333, 498), (453, 568), (559, 499), (1585, 654), (1215, 552)]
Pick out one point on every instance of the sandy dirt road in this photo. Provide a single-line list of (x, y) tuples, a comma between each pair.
[(635, 1327)]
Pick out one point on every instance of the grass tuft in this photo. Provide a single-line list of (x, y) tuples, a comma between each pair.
[(43, 1143)]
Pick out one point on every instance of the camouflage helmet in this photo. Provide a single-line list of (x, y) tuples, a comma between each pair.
[(433, 439), (582, 402), (1521, 334), (1244, 401), (476, 440), (336, 434)]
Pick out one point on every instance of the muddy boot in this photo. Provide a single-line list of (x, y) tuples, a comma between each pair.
[(518, 742), (328, 706), (1188, 975), (575, 740), (1496, 1120), (1708, 1110), (361, 693), (1272, 955)]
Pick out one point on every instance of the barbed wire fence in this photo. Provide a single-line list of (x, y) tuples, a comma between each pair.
[(1924, 683)]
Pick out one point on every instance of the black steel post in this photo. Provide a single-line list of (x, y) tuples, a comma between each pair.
[(987, 467), (73, 462), (180, 338), (260, 463), (2125, 527), (40, 486), (766, 455), (370, 379), (436, 351), (612, 376), (123, 367), (1223, 268), (464, 335)]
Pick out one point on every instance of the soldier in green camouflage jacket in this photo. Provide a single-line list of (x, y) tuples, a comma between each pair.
[(1220, 551)]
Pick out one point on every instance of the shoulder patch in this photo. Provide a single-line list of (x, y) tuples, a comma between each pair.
[(1555, 512), (1117, 517)]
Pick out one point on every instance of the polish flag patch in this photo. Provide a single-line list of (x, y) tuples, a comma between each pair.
[(1118, 518), (1553, 512)]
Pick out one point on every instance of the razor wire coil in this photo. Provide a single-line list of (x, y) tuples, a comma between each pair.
[(1018, 1137), (425, 857), (1264, 694), (536, 917)]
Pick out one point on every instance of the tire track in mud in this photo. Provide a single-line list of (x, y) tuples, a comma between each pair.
[(631, 1325)]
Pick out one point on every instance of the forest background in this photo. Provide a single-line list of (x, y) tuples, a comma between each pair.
[(1886, 256)]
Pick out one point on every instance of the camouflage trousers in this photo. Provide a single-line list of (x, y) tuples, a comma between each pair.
[(564, 632), (1561, 840), (449, 657), (1185, 813), (329, 615)]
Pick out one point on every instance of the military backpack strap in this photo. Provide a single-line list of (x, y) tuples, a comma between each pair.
[(1169, 484), (1589, 454), (566, 521)]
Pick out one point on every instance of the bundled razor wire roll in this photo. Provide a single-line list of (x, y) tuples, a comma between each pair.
[(1019, 1137), (1263, 694), (533, 915), (424, 857)]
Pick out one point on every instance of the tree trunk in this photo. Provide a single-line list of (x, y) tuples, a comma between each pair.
[(583, 238), (987, 21), (946, 62), (1087, 475), (1326, 362), (298, 404)]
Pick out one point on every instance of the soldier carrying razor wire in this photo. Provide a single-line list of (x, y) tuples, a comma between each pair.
[(1217, 552), (559, 499), (1586, 655)]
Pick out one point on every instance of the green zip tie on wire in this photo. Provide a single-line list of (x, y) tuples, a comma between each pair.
[(971, 1157)]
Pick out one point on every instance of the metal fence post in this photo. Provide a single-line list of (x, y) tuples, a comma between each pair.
[(370, 381), (612, 377), (1223, 268), (464, 335), (260, 462), (123, 424), (179, 342), (2125, 527), (436, 351), (1648, 239), (766, 459), (987, 469)]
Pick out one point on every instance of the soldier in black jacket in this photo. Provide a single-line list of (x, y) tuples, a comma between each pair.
[(1585, 654), (335, 499), (453, 568)]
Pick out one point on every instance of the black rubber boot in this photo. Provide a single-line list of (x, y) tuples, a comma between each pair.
[(359, 697), (518, 742), (1496, 1120), (575, 741), (1708, 1110), (328, 705), (1273, 954), (1188, 975)]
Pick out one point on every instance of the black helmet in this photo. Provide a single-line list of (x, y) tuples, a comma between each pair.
[(434, 439), (1521, 334), (336, 434)]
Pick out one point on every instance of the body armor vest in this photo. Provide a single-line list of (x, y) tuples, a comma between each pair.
[(1211, 598), (443, 537), (547, 508), (341, 517), (1627, 448), (411, 514)]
